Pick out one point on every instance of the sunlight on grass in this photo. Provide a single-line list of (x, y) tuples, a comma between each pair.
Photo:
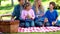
[(4, 3), (37, 33), (6, 9), (59, 10), (6, 18)]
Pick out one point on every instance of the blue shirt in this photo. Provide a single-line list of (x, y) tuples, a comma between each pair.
[(37, 15), (52, 16), (17, 11), (39, 11)]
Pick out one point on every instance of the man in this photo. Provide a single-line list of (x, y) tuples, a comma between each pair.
[(17, 10)]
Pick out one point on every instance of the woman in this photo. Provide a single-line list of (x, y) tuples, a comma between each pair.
[(39, 13)]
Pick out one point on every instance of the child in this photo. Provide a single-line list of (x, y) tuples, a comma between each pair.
[(51, 14), (28, 15)]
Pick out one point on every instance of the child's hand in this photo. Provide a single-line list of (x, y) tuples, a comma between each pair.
[(54, 22), (46, 20), (29, 16)]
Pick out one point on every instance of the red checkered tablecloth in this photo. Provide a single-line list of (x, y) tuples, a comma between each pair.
[(38, 29)]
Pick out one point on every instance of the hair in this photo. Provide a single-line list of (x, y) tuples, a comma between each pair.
[(53, 3), (40, 6), (26, 5), (19, 0), (27, 0)]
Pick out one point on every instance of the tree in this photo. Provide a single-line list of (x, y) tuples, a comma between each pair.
[(58, 2), (12, 3), (1, 0)]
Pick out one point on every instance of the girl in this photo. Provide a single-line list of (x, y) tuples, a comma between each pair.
[(28, 15), (52, 14), (39, 12)]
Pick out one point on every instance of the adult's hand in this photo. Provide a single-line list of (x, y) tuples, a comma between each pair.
[(41, 14), (12, 19)]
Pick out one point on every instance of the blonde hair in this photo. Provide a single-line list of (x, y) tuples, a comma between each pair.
[(36, 5)]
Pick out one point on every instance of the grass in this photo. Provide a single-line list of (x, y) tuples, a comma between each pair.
[(58, 32), (8, 9)]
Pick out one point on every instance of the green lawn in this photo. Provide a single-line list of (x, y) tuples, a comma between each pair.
[(58, 32), (6, 8)]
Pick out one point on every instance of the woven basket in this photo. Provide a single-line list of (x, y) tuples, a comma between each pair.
[(9, 26)]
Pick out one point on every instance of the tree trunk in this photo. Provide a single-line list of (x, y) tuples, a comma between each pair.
[(12, 3), (0, 2)]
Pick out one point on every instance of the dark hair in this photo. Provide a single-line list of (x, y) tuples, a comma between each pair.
[(26, 5), (53, 3), (19, 0)]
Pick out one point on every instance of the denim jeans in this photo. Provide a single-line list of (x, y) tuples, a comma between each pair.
[(39, 21), (29, 23), (57, 24), (22, 23), (38, 24)]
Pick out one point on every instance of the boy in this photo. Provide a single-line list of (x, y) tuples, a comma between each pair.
[(51, 14)]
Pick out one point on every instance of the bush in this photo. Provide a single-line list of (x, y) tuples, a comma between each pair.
[(32, 0)]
